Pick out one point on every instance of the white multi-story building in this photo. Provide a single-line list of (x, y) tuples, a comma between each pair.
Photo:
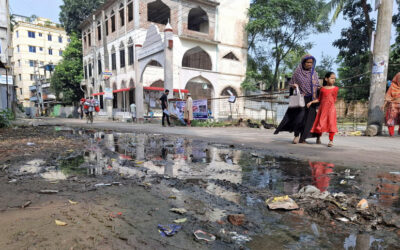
[(6, 89), (35, 43), (196, 46)]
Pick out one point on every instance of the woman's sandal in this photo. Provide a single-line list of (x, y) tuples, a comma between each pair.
[(330, 144), (296, 140)]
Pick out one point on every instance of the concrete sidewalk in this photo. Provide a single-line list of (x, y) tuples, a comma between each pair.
[(356, 151)]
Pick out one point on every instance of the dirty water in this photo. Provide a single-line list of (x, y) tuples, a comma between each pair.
[(212, 181)]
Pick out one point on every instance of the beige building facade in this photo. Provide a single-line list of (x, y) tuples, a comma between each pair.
[(35, 44)]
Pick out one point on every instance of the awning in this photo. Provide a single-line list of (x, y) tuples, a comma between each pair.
[(144, 88)]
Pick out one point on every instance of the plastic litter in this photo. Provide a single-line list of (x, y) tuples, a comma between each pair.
[(12, 181), (178, 210), (239, 238), (168, 230), (343, 219), (362, 205), (201, 235), (30, 144), (60, 223), (178, 221), (48, 191), (282, 202), (343, 182)]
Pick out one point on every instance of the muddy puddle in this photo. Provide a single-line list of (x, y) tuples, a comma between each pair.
[(212, 181)]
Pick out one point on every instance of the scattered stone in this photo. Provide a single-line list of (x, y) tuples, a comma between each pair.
[(26, 204), (236, 219), (178, 210)]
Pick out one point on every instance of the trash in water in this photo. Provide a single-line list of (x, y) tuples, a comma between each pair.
[(107, 184), (60, 223), (168, 230), (201, 235), (48, 191), (30, 144), (72, 202), (239, 238), (178, 210), (363, 204), (178, 221), (172, 197), (343, 182), (112, 215), (12, 181), (236, 219), (282, 202)]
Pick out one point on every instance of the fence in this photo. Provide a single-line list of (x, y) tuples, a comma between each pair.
[(352, 111)]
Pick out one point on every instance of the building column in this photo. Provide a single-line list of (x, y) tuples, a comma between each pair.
[(139, 87), (168, 60)]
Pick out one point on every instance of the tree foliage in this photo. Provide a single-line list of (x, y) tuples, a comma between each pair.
[(282, 26), (68, 73), (74, 12), (354, 53), (394, 60), (325, 66)]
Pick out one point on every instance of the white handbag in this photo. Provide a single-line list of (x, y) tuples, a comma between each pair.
[(297, 99)]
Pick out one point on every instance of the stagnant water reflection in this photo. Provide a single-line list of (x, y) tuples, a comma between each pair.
[(218, 165)]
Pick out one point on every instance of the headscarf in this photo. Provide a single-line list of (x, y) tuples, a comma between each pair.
[(306, 79), (394, 89)]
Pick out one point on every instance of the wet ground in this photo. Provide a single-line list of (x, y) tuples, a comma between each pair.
[(114, 189)]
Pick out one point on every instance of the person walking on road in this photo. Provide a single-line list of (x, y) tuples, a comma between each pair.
[(188, 116), (164, 106), (392, 105), (133, 111), (326, 120), (300, 119)]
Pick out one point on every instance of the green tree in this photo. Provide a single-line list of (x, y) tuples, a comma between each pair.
[(394, 60), (325, 66), (74, 12), (283, 26), (68, 73), (258, 73), (354, 53)]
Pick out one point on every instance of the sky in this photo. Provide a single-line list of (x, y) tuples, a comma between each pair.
[(322, 42)]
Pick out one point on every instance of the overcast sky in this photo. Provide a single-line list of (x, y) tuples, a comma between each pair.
[(51, 9)]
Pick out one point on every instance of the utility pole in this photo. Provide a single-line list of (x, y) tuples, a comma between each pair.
[(380, 68)]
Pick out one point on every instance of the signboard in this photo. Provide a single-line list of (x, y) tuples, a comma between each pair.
[(232, 99), (108, 94), (378, 68), (107, 74), (3, 79), (200, 109)]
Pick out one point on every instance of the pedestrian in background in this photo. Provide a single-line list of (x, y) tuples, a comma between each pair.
[(164, 106), (392, 105), (300, 119), (188, 110), (326, 120), (133, 111)]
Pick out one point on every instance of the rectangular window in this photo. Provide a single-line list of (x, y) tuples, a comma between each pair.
[(17, 48), (20, 77), (32, 77), (89, 39), (60, 39), (130, 12), (99, 33), (40, 34), (41, 48), (122, 58), (19, 63), (69, 40), (122, 17), (130, 55), (106, 27), (17, 33), (20, 90), (50, 52), (99, 69), (49, 38), (31, 63), (41, 63), (113, 61), (90, 69), (85, 71), (60, 53), (32, 49), (112, 23), (31, 34)]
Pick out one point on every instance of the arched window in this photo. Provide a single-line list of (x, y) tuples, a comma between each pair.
[(113, 59), (158, 12), (154, 63), (198, 20), (121, 14), (122, 55), (197, 58), (112, 21), (231, 56)]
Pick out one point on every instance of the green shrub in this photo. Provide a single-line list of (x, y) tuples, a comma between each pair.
[(5, 117)]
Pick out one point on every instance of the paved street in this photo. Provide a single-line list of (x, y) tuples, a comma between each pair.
[(355, 151)]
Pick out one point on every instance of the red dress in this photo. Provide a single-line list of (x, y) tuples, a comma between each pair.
[(326, 117)]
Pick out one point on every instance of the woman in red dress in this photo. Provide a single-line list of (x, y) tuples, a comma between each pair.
[(392, 105), (326, 121)]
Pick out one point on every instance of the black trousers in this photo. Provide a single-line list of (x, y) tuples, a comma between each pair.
[(163, 116)]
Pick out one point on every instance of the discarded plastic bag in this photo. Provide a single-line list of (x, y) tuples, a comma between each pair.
[(282, 202), (178, 221), (363, 204), (178, 210), (60, 223), (201, 235), (72, 202), (168, 230)]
